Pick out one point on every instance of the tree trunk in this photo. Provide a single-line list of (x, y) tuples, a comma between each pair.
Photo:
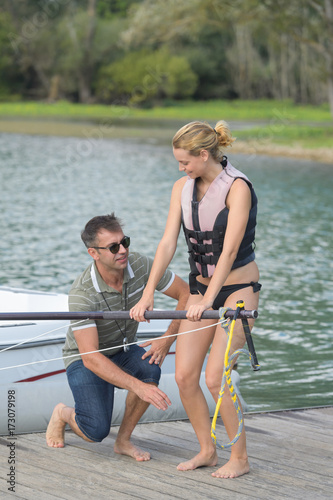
[(54, 89), (284, 67), (330, 83), (329, 52), (85, 75)]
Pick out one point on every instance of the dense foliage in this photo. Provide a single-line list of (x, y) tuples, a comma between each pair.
[(147, 51)]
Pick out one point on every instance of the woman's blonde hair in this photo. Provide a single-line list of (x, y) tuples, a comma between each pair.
[(196, 136)]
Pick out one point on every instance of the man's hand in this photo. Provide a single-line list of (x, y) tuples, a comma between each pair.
[(159, 349), (153, 395)]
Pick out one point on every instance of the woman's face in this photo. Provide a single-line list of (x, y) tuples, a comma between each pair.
[(193, 166)]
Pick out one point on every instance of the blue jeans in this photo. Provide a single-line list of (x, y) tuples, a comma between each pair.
[(94, 396)]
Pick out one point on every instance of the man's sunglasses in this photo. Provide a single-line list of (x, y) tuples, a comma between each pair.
[(114, 248)]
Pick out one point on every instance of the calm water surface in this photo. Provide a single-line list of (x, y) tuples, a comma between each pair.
[(50, 187)]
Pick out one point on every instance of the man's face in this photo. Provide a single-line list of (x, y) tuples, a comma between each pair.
[(104, 257)]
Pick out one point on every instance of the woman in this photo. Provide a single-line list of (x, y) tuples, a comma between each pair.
[(217, 207)]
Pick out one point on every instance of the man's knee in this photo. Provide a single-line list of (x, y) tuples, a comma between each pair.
[(150, 374), (93, 429)]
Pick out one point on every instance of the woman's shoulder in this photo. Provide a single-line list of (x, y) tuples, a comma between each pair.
[(240, 192), (179, 184), (240, 185), (182, 181)]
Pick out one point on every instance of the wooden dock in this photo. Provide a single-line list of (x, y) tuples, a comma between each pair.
[(290, 452)]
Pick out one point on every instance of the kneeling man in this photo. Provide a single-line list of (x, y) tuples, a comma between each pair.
[(114, 281)]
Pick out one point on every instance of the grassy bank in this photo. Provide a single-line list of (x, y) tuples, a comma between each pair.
[(263, 124), (283, 111), (308, 136)]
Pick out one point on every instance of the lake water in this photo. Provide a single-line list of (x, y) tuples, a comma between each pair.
[(50, 187)]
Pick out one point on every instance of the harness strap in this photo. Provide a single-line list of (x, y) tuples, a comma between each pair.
[(208, 253)]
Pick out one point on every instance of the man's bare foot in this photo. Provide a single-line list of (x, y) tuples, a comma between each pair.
[(199, 460), (233, 468), (55, 432), (127, 448)]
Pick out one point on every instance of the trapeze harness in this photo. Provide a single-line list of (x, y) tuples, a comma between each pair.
[(204, 223)]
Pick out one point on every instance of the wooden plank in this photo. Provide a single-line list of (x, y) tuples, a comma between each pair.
[(290, 457), (119, 479)]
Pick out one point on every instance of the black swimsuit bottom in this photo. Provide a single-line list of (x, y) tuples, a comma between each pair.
[(226, 291)]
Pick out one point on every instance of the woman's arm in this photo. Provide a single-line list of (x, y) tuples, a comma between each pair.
[(239, 205), (164, 253)]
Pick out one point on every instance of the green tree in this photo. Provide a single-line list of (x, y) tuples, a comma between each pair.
[(213, 36), (9, 82), (108, 9), (183, 28), (311, 25), (58, 46), (236, 48), (143, 76), (268, 48), (27, 39)]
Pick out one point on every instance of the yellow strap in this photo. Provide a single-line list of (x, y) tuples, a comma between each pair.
[(225, 374), (226, 380)]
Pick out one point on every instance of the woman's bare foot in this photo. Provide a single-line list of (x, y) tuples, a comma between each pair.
[(233, 468), (127, 448), (200, 460), (55, 432)]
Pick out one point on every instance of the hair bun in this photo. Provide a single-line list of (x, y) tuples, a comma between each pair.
[(224, 134)]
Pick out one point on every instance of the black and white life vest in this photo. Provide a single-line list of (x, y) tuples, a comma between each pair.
[(205, 222)]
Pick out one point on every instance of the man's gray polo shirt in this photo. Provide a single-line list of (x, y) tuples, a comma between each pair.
[(89, 292)]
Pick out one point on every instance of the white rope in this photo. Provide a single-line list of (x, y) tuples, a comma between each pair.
[(38, 336), (107, 348)]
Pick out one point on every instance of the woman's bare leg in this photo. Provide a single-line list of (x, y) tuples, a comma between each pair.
[(191, 350), (238, 463)]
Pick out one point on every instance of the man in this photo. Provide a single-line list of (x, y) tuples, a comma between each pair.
[(114, 281)]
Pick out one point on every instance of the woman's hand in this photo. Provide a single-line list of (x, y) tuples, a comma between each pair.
[(145, 304), (195, 311)]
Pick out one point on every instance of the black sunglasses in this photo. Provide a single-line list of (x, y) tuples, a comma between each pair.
[(114, 248)]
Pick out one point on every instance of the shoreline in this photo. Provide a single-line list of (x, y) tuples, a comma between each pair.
[(162, 135), (321, 155)]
